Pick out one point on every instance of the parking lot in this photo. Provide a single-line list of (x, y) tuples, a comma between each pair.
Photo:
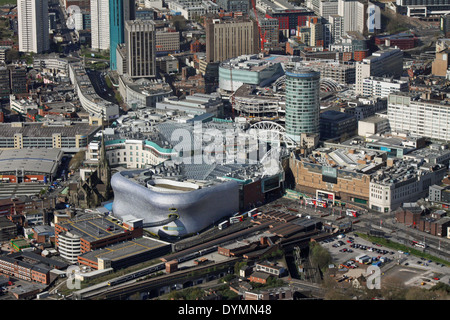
[(411, 270), (350, 246)]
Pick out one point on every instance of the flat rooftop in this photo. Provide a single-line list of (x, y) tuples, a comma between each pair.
[(124, 250), (30, 160), (41, 130), (92, 227), (249, 62)]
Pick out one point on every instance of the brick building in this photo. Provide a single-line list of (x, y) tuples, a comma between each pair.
[(29, 266), (259, 277), (14, 208), (409, 216), (311, 177)]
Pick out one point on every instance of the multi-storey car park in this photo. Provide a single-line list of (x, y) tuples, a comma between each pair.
[(68, 136)]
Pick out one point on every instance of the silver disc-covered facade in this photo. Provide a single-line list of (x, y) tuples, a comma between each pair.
[(194, 210)]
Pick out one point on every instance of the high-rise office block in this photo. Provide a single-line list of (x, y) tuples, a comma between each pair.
[(4, 83), (302, 102), (33, 25), (271, 29), (100, 24), (140, 48), (18, 79), (119, 12), (227, 38), (388, 62), (354, 13)]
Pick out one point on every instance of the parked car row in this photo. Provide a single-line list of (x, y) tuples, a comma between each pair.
[(426, 262), (370, 249)]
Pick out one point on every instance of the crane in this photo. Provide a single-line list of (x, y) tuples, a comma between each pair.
[(262, 36)]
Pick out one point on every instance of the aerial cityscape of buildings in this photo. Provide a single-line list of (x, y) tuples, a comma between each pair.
[(263, 149)]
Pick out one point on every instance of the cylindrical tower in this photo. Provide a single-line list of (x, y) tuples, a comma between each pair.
[(302, 102)]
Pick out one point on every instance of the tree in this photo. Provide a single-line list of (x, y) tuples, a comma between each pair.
[(238, 266), (179, 22), (12, 55), (187, 294), (77, 160), (320, 256)]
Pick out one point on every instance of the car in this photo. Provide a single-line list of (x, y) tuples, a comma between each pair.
[(436, 278)]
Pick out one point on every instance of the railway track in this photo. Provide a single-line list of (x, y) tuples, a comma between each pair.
[(125, 290)]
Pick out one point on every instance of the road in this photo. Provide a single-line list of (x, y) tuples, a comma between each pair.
[(100, 87)]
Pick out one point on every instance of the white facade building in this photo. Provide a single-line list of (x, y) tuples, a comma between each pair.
[(69, 246), (354, 15), (190, 9), (382, 87), (100, 24), (33, 25), (22, 105), (131, 153), (428, 118), (387, 62), (403, 181), (193, 105)]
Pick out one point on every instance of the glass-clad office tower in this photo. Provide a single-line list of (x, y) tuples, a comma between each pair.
[(302, 102), (119, 12)]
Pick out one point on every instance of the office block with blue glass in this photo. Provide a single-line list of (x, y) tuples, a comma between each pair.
[(119, 12)]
